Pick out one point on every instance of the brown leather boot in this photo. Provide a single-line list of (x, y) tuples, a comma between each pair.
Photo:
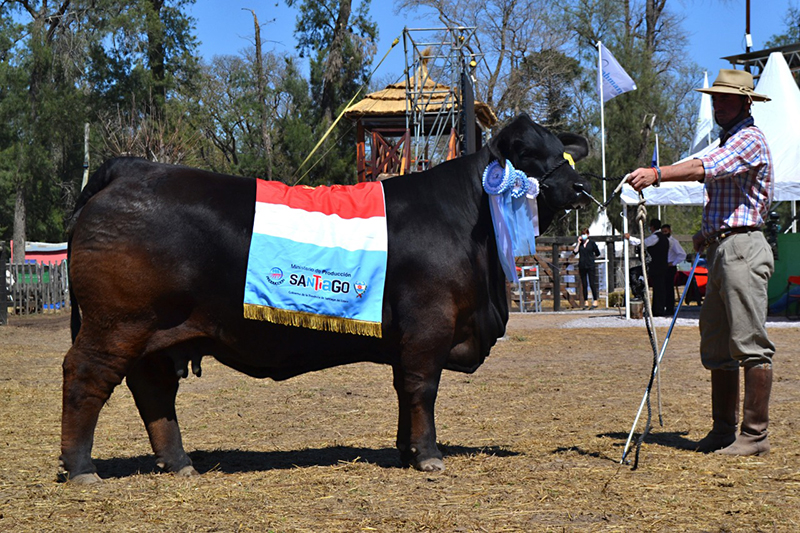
[(753, 438), (724, 411)]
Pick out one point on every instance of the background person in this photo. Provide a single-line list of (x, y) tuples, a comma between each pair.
[(675, 255), (657, 248), (738, 188), (587, 250)]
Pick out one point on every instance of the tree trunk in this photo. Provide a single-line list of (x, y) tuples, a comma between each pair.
[(262, 99), (335, 61), (653, 11), (155, 58), (18, 257)]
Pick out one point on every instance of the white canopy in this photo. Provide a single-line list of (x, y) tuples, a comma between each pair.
[(704, 128), (778, 120)]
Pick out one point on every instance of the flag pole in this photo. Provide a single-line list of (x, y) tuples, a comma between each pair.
[(602, 118), (705, 84)]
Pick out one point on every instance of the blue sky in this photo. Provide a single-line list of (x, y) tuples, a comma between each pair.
[(716, 28)]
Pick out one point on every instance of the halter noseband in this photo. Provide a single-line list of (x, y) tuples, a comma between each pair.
[(550, 172)]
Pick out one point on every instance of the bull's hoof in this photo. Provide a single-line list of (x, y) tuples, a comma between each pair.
[(187, 471), (85, 479), (434, 464)]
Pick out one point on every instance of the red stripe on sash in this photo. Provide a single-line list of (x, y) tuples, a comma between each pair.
[(364, 200)]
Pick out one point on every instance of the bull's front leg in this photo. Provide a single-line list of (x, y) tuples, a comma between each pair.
[(417, 385), (153, 382)]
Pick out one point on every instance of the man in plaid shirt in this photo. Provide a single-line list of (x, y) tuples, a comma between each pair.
[(738, 178)]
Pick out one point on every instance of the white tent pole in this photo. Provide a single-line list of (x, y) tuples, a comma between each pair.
[(626, 261), (602, 117), (794, 214), (658, 163)]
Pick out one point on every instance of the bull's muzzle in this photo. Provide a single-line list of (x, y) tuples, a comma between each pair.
[(582, 196)]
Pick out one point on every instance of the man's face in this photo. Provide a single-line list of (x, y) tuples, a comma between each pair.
[(727, 107), (666, 231)]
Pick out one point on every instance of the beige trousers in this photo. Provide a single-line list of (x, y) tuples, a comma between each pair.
[(734, 313)]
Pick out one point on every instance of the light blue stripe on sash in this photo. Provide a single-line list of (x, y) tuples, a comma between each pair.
[(303, 277)]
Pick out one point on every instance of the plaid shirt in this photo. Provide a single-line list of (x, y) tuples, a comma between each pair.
[(738, 180)]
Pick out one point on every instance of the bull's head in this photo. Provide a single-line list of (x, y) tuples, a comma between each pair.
[(540, 154)]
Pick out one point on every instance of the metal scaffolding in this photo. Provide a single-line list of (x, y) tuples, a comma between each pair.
[(434, 108), (756, 61)]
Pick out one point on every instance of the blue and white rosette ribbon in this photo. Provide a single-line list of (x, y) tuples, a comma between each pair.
[(515, 216)]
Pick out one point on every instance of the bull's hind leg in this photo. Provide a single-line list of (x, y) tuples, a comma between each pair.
[(89, 379), (154, 384), (416, 429)]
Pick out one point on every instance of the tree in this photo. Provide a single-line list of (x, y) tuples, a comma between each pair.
[(63, 64), (791, 34), (523, 43), (138, 70), (340, 43), (232, 120), (648, 42), (39, 71), (145, 53)]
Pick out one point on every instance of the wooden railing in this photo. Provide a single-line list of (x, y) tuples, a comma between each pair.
[(35, 288)]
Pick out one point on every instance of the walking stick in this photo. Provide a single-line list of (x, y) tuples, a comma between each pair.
[(660, 356)]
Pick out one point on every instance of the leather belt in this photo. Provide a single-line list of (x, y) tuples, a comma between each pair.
[(720, 235)]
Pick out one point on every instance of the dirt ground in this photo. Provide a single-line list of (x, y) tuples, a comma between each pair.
[(532, 442)]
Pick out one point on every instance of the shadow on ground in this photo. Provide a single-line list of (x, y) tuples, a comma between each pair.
[(237, 461), (676, 440)]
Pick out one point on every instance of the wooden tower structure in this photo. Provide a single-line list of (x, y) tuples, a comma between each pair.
[(415, 124)]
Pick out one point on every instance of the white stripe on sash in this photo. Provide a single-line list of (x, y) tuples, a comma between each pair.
[(320, 229)]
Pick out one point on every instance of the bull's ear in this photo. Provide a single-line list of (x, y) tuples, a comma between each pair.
[(575, 145), (495, 148)]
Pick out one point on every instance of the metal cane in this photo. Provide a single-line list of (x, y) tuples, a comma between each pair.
[(660, 356)]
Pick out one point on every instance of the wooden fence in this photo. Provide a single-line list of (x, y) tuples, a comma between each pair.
[(558, 270), (35, 288)]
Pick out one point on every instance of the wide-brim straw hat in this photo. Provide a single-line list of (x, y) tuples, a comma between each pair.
[(735, 82)]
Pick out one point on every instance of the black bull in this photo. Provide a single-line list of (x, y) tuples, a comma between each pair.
[(157, 267)]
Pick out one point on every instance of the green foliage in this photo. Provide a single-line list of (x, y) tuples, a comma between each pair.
[(548, 74), (145, 51), (61, 69), (340, 45), (663, 102), (791, 34), (129, 69)]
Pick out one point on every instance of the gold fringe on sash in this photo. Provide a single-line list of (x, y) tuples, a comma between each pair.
[(312, 321)]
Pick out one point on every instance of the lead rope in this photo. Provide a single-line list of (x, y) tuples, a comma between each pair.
[(641, 216)]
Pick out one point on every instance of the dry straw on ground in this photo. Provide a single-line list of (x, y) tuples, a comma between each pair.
[(532, 442)]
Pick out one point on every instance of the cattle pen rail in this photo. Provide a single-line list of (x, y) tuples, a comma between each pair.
[(559, 269), (34, 288)]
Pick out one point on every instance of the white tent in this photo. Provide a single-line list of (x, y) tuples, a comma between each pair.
[(777, 119), (705, 120)]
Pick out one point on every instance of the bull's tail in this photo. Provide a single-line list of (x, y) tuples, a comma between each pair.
[(75, 312), (102, 177)]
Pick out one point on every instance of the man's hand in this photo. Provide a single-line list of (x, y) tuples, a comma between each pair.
[(698, 242), (641, 178)]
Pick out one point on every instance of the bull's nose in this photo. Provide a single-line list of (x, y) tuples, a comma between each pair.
[(581, 188), (584, 197)]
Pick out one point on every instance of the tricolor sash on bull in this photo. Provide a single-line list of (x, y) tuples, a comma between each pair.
[(318, 257), (515, 215)]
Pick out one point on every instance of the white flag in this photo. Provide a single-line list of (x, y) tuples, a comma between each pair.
[(705, 121), (613, 77)]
